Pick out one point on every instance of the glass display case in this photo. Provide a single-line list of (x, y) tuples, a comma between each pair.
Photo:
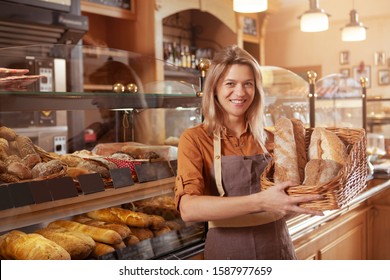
[(116, 116), (286, 94), (338, 102)]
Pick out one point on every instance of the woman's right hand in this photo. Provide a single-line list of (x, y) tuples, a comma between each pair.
[(275, 199)]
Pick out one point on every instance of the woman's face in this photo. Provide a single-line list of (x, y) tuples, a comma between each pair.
[(236, 90)]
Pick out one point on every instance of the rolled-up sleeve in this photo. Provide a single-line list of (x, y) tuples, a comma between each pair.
[(190, 166)]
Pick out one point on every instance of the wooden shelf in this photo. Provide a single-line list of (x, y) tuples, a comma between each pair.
[(49, 211), (99, 9)]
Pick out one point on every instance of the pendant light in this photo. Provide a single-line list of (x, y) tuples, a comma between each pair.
[(314, 19), (354, 30), (250, 6)]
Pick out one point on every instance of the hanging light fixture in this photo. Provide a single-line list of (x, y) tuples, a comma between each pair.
[(354, 30), (314, 19), (250, 6)]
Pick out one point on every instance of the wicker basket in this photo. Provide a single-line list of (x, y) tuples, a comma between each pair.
[(349, 182)]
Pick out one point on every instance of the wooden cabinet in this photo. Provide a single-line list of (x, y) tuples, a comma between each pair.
[(344, 238)]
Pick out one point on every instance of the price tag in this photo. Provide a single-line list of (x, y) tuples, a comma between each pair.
[(21, 194), (173, 164), (108, 256), (5, 198), (40, 191), (91, 183), (166, 242), (141, 251), (121, 177), (153, 171), (62, 187)]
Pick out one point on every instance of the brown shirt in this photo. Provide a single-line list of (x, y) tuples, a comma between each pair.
[(195, 158)]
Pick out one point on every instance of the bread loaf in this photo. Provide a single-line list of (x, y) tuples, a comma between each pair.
[(19, 170), (142, 233), (77, 244), (120, 215), (285, 152), (131, 240), (325, 144), (121, 228), (98, 234), (320, 171), (102, 249), (25, 146), (17, 245), (7, 133), (299, 136)]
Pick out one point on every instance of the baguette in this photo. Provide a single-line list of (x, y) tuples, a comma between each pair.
[(98, 234), (77, 244), (142, 233), (120, 215), (299, 136), (123, 230), (286, 158), (17, 245), (102, 249)]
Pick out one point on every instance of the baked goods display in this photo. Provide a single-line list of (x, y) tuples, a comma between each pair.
[(89, 235), (94, 233)]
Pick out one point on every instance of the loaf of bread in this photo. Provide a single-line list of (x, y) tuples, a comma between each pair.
[(25, 146), (299, 136), (285, 152), (77, 244), (320, 171), (120, 215), (121, 228), (19, 170), (131, 240), (142, 233), (102, 249), (325, 144), (98, 234), (51, 167), (7, 133), (157, 222), (17, 245)]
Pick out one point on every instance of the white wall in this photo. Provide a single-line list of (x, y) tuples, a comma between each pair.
[(287, 46)]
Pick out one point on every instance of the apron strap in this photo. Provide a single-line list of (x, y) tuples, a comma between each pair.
[(218, 163)]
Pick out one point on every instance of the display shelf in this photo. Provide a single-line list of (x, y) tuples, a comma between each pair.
[(88, 101), (49, 211)]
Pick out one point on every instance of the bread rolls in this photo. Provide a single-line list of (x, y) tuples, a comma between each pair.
[(17, 245), (286, 158), (98, 234), (77, 244)]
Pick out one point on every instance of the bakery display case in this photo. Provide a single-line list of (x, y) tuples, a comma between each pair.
[(112, 124), (286, 94), (338, 102)]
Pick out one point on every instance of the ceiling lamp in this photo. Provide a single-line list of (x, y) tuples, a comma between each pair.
[(354, 30), (250, 6), (314, 19)]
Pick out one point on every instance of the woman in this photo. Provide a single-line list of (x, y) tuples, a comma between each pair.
[(220, 162)]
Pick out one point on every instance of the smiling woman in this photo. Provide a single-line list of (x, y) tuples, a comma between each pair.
[(220, 162)]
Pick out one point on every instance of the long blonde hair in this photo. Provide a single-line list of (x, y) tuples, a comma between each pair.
[(212, 110)]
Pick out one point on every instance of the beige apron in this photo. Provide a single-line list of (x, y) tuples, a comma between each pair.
[(254, 236)]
